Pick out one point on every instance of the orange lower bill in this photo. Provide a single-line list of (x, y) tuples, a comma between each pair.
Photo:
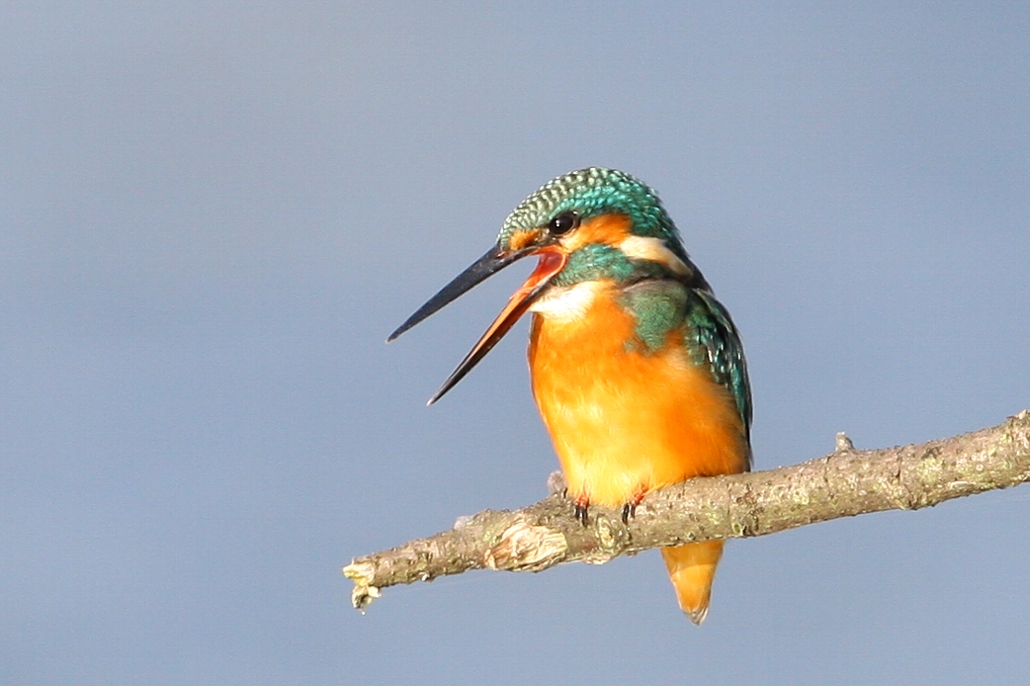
[(551, 262)]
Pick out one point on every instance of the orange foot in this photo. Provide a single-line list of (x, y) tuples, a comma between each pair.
[(581, 503), (629, 510)]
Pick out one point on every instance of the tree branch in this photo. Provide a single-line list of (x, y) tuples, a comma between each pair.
[(845, 483)]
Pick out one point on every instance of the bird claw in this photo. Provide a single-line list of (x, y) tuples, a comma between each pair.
[(629, 510), (580, 511)]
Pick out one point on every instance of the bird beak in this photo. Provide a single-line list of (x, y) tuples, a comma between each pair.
[(552, 261)]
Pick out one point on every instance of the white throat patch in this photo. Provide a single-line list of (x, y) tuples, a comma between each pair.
[(567, 302)]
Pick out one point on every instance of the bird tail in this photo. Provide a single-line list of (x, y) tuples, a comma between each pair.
[(691, 569)]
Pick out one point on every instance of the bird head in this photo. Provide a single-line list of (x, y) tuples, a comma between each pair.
[(587, 225)]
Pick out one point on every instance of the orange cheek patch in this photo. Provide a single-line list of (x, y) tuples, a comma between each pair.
[(608, 229), (523, 239)]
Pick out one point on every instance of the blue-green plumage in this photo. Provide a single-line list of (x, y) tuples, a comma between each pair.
[(717, 340), (637, 369), (661, 307), (660, 299), (662, 295), (592, 192)]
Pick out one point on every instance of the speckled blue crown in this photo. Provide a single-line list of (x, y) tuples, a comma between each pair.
[(591, 192)]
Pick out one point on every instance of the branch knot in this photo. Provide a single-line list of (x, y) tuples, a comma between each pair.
[(848, 482)]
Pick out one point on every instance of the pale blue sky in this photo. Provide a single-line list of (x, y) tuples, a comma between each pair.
[(211, 215)]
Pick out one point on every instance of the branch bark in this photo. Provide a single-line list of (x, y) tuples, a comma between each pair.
[(845, 483)]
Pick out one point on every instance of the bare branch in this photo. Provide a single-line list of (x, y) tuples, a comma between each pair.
[(845, 483)]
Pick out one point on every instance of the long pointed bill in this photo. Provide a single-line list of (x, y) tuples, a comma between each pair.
[(551, 262), (493, 261)]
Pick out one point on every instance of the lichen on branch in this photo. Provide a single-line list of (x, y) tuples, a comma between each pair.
[(845, 483)]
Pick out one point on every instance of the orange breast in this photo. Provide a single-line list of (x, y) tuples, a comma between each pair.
[(625, 421)]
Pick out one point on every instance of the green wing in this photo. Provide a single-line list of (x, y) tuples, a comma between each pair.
[(660, 306), (718, 341)]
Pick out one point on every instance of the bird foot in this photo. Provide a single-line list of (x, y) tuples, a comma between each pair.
[(629, 510), (580, 506)]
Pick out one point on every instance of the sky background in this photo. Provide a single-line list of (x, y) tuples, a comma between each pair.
[(211, 215)]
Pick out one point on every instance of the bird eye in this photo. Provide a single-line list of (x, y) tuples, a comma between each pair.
[(563, 223)]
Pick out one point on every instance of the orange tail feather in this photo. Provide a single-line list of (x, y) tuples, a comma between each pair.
[(691, 569)]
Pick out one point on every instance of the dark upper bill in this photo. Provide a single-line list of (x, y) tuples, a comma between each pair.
[(493, 261), (551, 262)]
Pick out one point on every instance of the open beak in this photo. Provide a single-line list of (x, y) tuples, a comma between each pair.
[(552, 261)]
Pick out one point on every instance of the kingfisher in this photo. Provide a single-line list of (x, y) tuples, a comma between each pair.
[(637, 370)]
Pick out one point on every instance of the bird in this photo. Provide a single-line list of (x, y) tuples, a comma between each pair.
[(637, 370)]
